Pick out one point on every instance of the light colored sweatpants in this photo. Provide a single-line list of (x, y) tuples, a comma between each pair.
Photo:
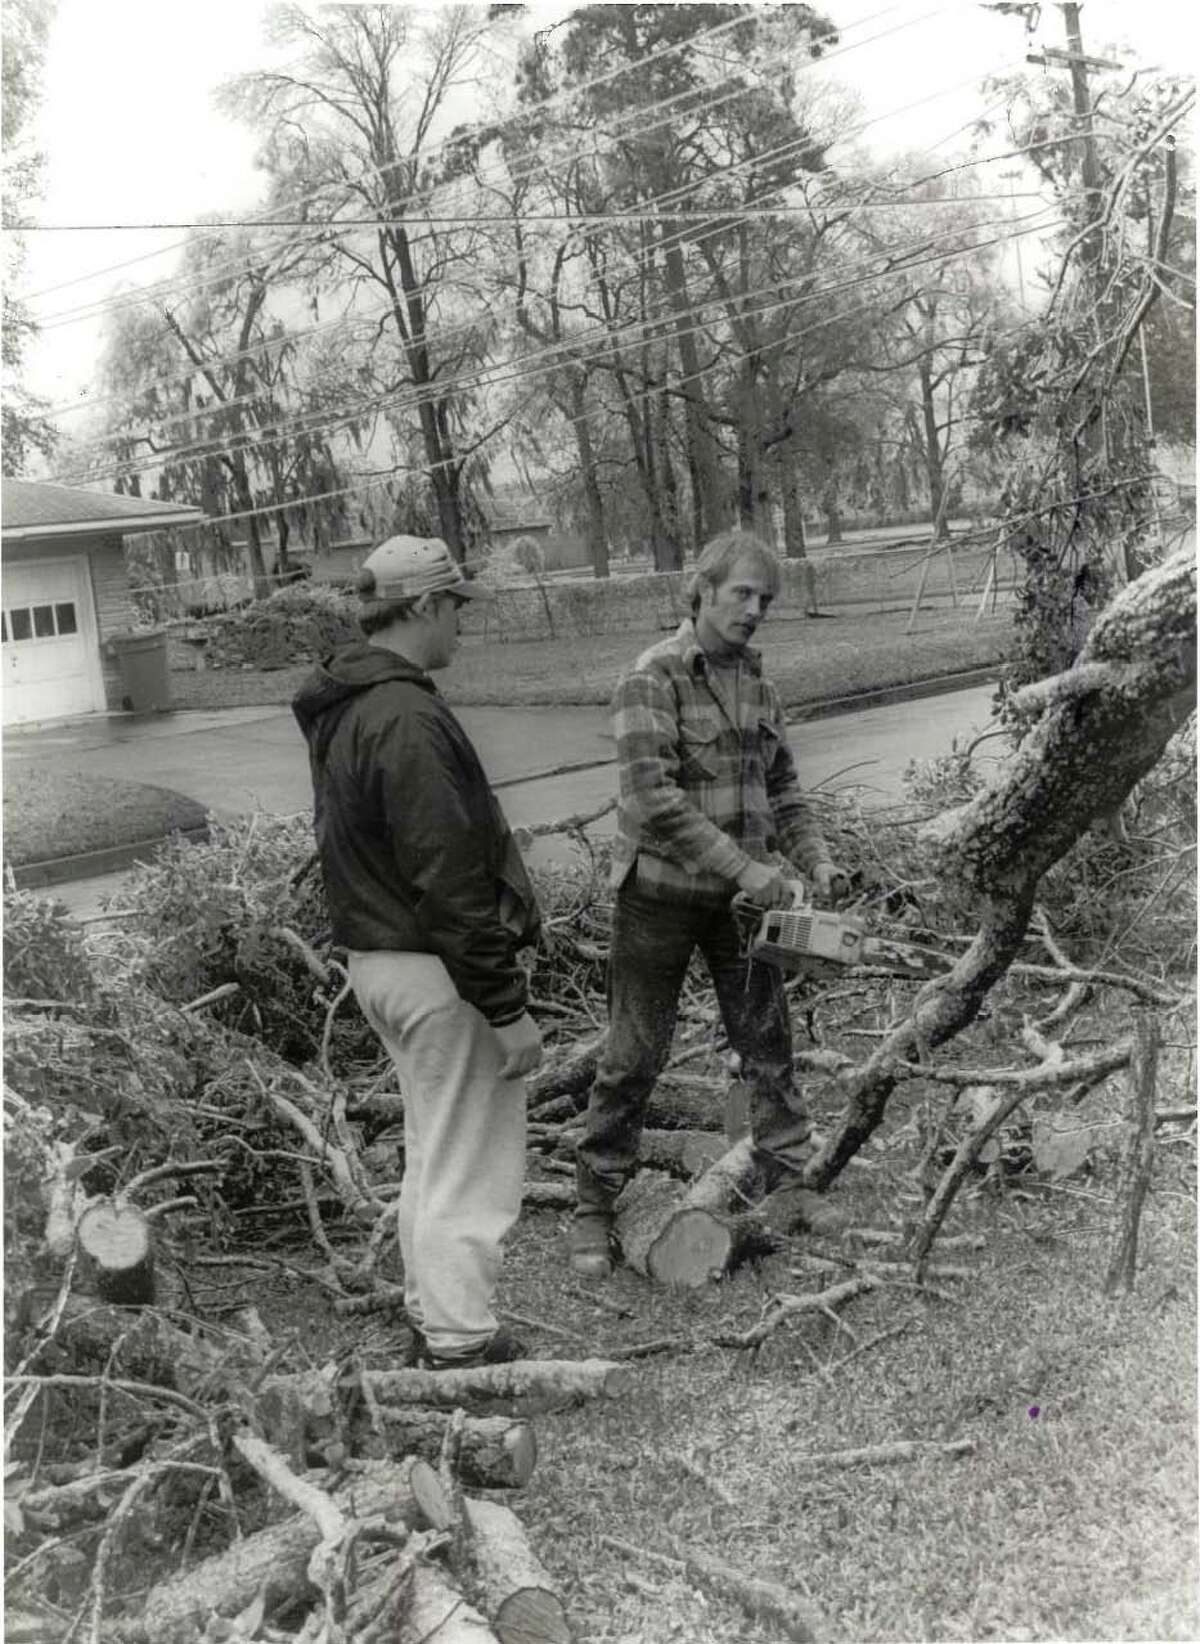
[(464, 1143)]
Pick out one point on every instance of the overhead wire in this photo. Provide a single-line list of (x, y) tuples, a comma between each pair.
[(529, 366), (417, 197), (722, 218), (379, 171), (183, 284)]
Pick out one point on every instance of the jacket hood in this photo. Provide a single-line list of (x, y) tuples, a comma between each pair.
[(345, 674)]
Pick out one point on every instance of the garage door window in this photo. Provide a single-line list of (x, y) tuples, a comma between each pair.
[(34, 622)]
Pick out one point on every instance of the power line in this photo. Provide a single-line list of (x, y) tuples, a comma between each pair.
[(528, 368), (379, 171), (182, 284), (635, 117), (572, 218)]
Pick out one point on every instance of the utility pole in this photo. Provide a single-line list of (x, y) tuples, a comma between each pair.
[(1079, 65)]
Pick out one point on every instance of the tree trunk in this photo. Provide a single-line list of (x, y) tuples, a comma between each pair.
[(709, 513), (934, 466), (832, 512), (597, 536), (671, 558)]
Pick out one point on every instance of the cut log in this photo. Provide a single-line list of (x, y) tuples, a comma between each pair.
[(274, 1560), (540, 1378), (435, 1611), (548, 1195), (497, 1452), (734, 1183), (665, 1239), (118, 1244), (570, 1076), (517, 1595)]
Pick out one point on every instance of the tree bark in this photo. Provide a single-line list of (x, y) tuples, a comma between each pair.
[(274, 1560), (524, 1378), (665, 1239), (496, 1452), (119, 1247), (597, 535), (1138, 1162), (515, 1591)]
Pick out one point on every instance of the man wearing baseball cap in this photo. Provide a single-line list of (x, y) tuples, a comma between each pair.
[(428, 894)]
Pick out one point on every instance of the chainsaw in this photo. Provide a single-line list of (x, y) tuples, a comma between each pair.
[(804, 940)]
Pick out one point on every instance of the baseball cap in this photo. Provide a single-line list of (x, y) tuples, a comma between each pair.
[(407, 567)]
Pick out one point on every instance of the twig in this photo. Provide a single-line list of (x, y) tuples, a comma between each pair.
[(185, 1201), (213, 997), (886, 1455), (303, 952), (157, 1173), (546, 1329), (784, 1306), (135, 1389), (871, 1341)]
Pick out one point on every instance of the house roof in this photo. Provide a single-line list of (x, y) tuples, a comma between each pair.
[(29, 508)]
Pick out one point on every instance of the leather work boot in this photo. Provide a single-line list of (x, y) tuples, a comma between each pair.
[(502, 1348), (593, 1244)]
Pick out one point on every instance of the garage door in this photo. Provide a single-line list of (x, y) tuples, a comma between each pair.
[(51, 660)]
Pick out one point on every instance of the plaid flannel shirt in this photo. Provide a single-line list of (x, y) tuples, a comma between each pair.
[(707, 782)]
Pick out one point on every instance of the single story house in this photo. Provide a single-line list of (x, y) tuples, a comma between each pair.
[(65, 592)]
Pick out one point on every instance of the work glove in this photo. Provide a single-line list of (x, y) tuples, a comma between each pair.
[(831, 883), (521, 1042), (765, 886)]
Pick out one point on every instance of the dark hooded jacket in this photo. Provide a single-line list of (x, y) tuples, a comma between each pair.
[(416, 854)]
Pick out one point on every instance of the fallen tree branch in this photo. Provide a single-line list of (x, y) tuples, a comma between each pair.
[(1081, 761), (553, 1378), (785, 1306), (1137, 1162), (887, 1455)]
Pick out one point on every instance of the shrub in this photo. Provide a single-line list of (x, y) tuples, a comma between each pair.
[(298, 623)]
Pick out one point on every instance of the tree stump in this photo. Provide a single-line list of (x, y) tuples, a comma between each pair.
[(119, 1247)]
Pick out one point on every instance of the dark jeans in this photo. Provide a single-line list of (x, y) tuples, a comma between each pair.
[(652, 943)]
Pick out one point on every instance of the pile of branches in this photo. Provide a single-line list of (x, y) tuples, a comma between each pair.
[(297, 623)]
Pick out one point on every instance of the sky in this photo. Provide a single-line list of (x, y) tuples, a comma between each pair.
[(132, 135)]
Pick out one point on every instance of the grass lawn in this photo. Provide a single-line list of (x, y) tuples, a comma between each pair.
[(1073, 1518), (809, 660), (50, 814)]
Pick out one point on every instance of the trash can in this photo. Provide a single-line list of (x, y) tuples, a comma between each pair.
[(145, 680)]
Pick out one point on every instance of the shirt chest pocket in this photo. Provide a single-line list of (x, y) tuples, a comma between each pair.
[(700, 749), (760, 747)]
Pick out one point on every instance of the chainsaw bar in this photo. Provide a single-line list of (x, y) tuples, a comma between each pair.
[(806, 940)]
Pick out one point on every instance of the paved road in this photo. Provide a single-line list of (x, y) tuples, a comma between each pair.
[(245, 760)]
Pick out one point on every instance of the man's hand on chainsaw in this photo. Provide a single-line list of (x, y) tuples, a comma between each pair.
[(765, 886), (831, 883)]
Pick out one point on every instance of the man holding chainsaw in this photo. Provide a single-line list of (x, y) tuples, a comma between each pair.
[(708, 797)]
